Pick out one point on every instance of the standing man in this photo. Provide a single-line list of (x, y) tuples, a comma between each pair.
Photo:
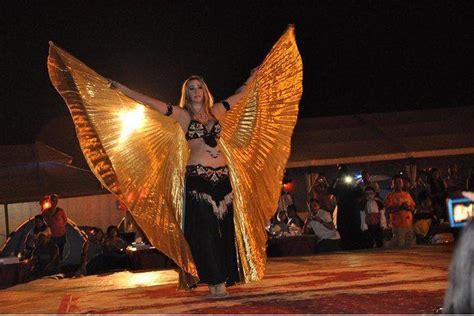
[(400, 206), (348, 197), (56, 218), (367, 182)]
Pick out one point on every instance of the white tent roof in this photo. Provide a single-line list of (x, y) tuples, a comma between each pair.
[(382, 136)]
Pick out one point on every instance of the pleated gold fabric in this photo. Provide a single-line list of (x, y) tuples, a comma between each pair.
[(256, 139), (140, 155), (135, 152)]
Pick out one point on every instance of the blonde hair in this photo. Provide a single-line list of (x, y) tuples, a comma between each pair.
[(184, 100)]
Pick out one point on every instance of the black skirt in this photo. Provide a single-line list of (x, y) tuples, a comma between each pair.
[(209, 224)]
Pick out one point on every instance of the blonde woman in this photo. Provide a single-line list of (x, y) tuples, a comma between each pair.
[(201, 179), (209, 227)]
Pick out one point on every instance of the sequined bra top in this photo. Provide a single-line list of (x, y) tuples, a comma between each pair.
[(197, 129)]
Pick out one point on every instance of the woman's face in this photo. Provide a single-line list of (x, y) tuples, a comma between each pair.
[(195, 91)]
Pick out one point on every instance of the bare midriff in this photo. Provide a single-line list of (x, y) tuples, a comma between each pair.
[(202, 154)]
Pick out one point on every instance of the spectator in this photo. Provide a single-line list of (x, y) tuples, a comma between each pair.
[(459, 297), (92, 260), (114, 250), (320, 193), (400, 206), (293, 218), (367, 182), (422, 186), (321, 223), (285, 200), (453, 181), (294, 223), (280, 227), (407, 187), (470, 180), (348, 197), (373, 218), (45, 257), (56, 219), (423, 220), (32, 238), (438, 194)]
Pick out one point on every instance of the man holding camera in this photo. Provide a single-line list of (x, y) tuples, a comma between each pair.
[(320, 221), (56, 219)]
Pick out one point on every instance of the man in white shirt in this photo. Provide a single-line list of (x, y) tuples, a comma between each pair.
[(320, 221)]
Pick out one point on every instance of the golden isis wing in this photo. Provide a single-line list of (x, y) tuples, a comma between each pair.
[(256, 139), (136, 153)]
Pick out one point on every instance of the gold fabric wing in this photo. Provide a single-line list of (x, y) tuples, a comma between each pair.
[(135, 152), (256, 139), (140, 155)]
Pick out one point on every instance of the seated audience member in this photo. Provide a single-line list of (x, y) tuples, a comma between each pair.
[(115, 256), (320, 221), (373, 220), (459, 298), (400, 206), (130, 226), (295, 223), (285, 199), (32, 238), (280, 227), (92, 260), (45, 257), (423, 219)]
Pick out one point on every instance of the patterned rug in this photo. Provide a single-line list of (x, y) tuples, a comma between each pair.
[(371, 281)]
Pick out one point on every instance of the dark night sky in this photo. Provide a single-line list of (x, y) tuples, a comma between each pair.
[(359, 56)]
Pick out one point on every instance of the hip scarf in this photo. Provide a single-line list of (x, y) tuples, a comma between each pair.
[(209, 224)]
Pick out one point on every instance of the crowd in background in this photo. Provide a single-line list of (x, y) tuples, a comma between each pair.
[(348, 213), (44, 244), (343, 214)]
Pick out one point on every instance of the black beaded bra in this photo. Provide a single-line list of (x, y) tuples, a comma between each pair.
[(197, 129)]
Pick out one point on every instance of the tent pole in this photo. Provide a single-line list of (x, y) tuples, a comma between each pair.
[(7, 225)]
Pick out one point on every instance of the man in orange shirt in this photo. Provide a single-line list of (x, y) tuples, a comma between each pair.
[(56, 219), (400, 205)]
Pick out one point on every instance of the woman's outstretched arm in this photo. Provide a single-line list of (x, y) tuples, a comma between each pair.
[(160, 106), (222, 107)]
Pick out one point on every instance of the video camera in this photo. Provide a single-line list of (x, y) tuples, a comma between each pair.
[(460, 211)]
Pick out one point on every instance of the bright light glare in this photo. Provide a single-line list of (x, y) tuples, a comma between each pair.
[(131, 121), (348, 179)]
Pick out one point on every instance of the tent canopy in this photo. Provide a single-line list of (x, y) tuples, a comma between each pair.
[(382, 136), (29, 172)]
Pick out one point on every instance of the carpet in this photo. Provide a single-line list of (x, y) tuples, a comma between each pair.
[(371, 281)]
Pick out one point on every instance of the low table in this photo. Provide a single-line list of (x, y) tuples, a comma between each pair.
[(151, 258), (15, 273), (291, 246)]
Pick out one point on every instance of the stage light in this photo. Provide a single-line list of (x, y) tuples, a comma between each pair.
[(131, 121), (46, 205), (348, 179), (288, 186)]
